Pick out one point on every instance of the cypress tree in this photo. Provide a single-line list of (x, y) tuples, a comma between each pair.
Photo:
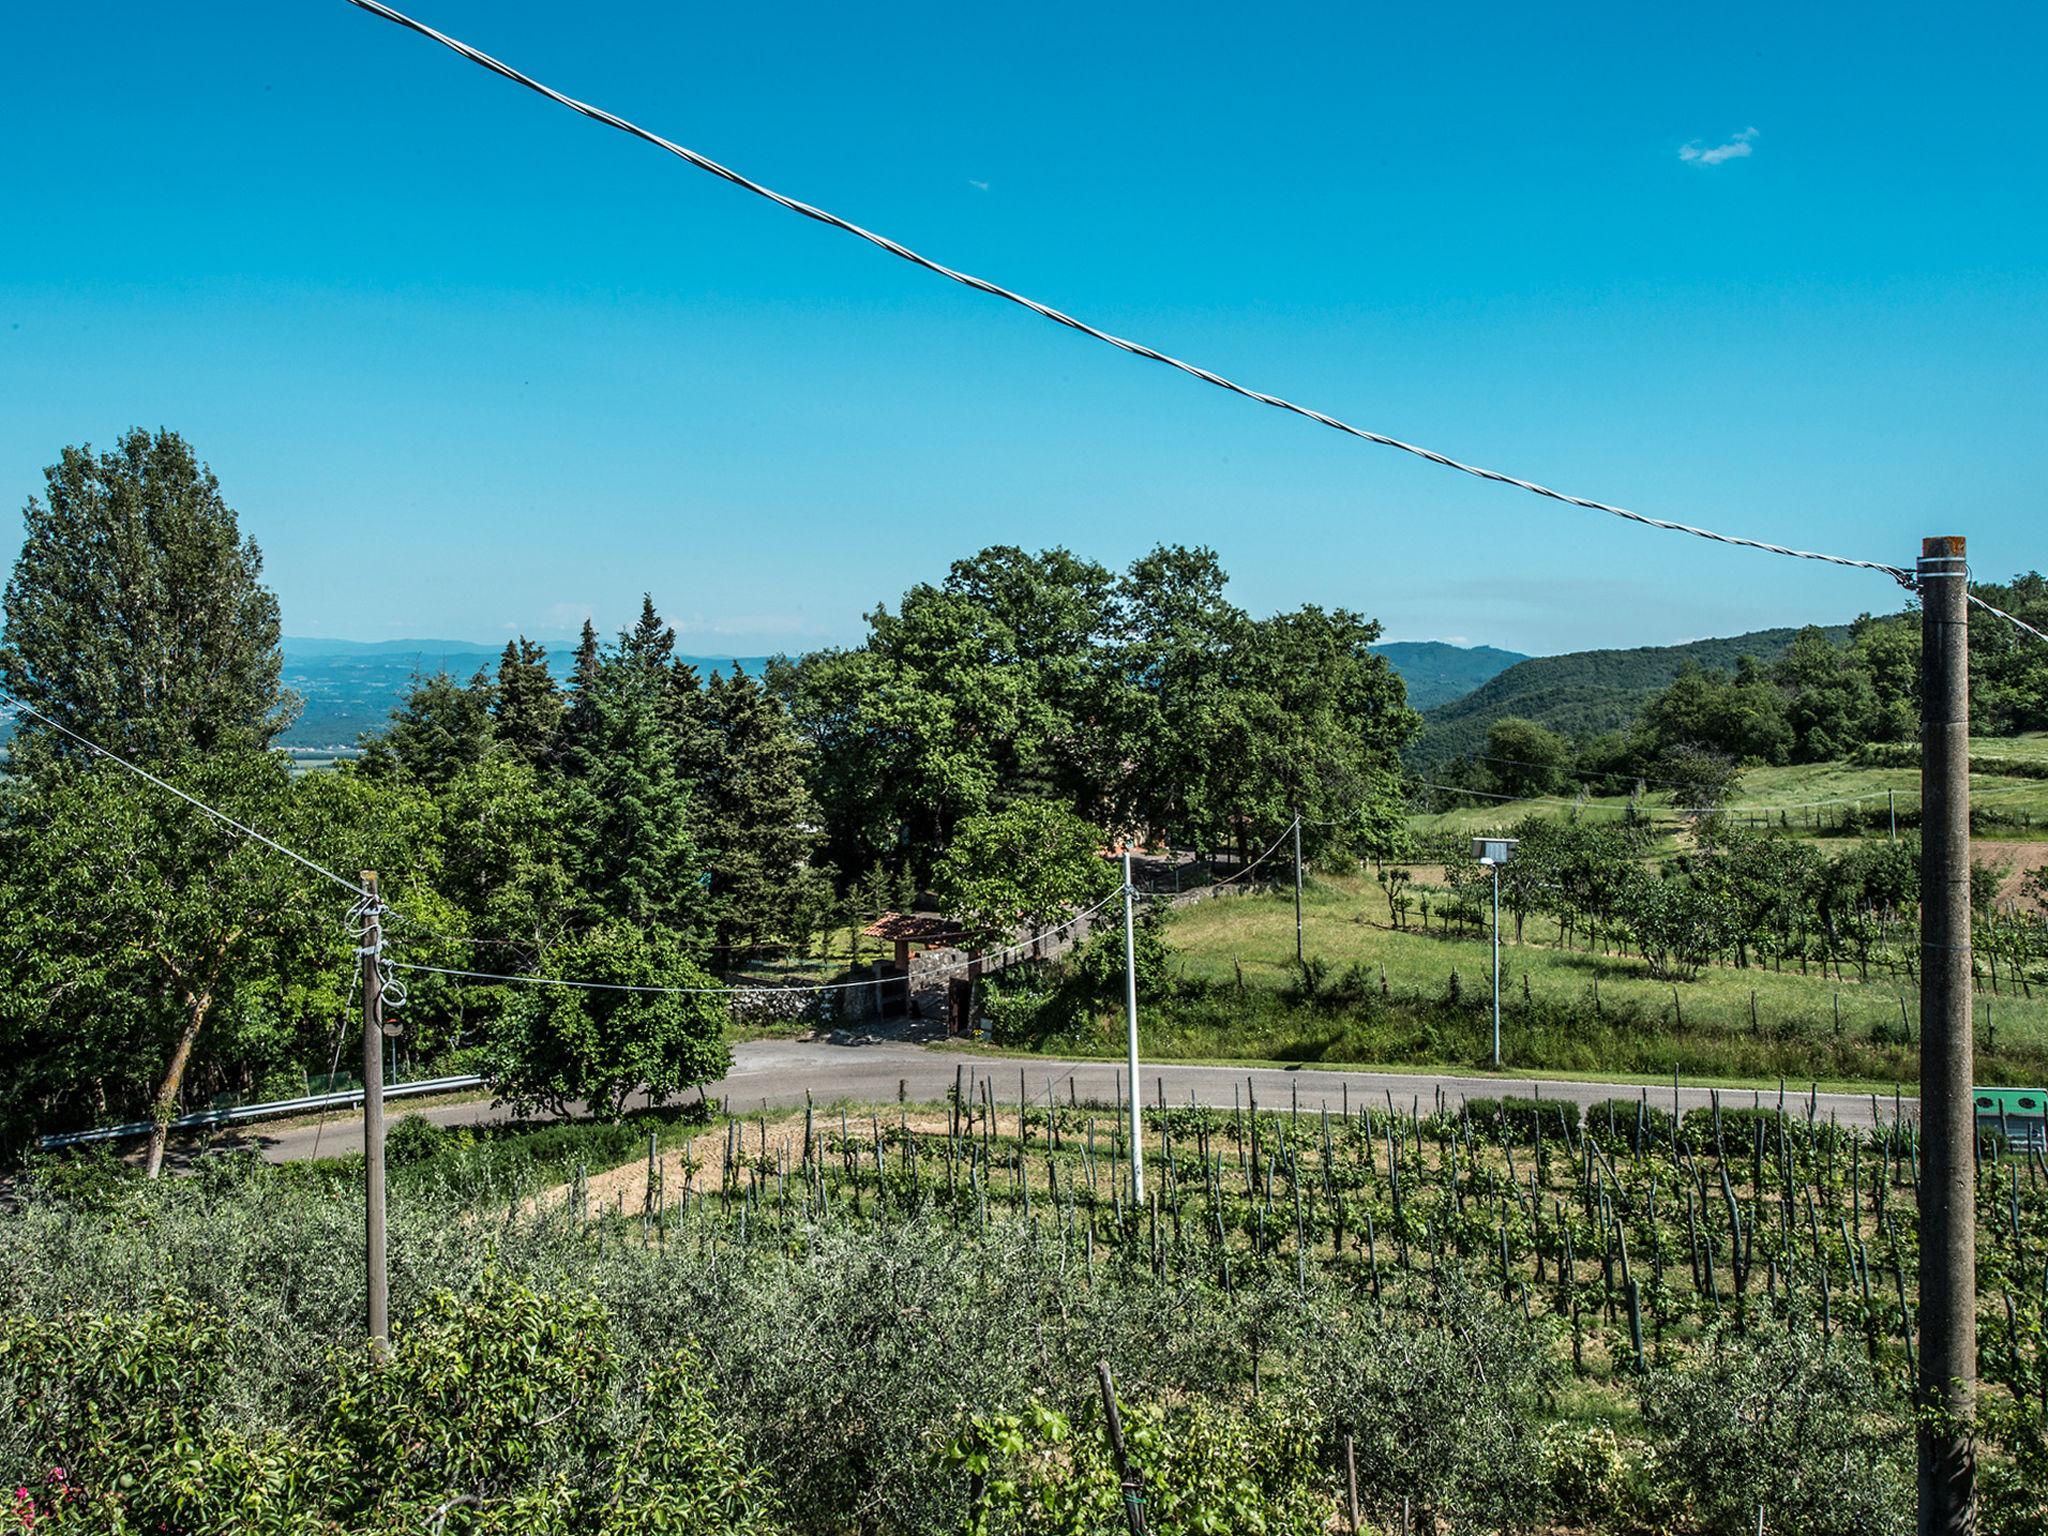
[(527, 709), (759, 817), (631, 847), (441, 729)]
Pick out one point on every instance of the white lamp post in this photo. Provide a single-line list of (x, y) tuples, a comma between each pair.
[(1494, 852)]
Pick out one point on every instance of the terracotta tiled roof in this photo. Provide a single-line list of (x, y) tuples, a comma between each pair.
[(915, 928)]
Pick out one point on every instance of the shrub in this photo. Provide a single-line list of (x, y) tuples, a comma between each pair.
[(1020, 1009), (501, 1409), (1631, 1125), (1597, 1479), (1510, 1117), (1783, 1420), (114, 1420), (1204, 1467), (413, 1139), (1442, 1408), (483, 1394)]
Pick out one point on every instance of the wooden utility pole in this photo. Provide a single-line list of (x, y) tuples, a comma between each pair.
[(1948, 1232), (373, 1118)]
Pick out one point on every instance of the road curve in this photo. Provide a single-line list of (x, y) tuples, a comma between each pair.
[(776, 1074)]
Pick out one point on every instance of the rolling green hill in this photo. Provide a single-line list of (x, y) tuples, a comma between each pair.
[(1437, 672), (1582, 692)]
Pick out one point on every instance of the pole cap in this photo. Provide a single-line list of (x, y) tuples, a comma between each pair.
[(1947, 547)]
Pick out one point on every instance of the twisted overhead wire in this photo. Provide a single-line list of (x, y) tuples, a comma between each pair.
[(390, 990), (1122, 344), (2017, 623)]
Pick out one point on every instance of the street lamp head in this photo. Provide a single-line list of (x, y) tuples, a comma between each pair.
[(1493, 850)]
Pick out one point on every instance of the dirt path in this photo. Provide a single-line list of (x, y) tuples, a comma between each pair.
[(624, 1188), (2018, 860)]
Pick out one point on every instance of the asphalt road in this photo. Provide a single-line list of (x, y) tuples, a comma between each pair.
[(775, 1074)]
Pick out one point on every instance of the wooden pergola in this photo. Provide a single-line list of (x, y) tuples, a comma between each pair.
[(929, 930)]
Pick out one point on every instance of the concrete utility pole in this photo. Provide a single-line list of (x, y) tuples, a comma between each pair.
[(1496, 964), (373, 1117), (1297, 890), (1948, 1229), (1131, 1024), (1492, 852)]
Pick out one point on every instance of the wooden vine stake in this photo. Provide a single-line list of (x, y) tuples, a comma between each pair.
[(1134, 1499)]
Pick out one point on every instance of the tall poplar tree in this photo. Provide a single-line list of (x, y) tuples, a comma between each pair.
[(136, 613)]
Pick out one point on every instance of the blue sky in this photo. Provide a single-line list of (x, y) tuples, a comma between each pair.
[(467, 364)]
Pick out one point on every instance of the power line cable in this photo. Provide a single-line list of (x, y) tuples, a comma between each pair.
[(758, 991), (1598, 773), (2017, 623), (1756, 810), (192, 800), (1122, 344)]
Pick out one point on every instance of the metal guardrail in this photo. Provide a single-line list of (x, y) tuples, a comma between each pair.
[(352, 1099)]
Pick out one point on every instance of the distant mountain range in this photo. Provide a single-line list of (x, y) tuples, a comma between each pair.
[(1437, 672), (351, 686), (1583, 692)]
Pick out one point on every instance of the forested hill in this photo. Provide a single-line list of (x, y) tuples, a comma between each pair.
[(1437, 672), (351, 686), (1584, 692)]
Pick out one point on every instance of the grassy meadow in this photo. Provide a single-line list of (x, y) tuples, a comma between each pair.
[(2007, 805), (1563, 1011)]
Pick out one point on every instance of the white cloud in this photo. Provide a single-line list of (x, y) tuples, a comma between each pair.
[(979, 186), (1738, 148)]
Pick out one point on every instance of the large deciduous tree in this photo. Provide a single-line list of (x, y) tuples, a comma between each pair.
[(1524, 758), (136, 613), (599, 1044), (145, 946), (158, 912), (1026, 867)]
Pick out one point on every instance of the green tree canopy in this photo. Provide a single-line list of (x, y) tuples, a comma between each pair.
[(1022, 869), (631, 844), (1741, 717), (759, 819), (136, 613), (526, 709), (440, 729), (141, 940), (1147, 702), (1524, 758), (556, 1046)]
